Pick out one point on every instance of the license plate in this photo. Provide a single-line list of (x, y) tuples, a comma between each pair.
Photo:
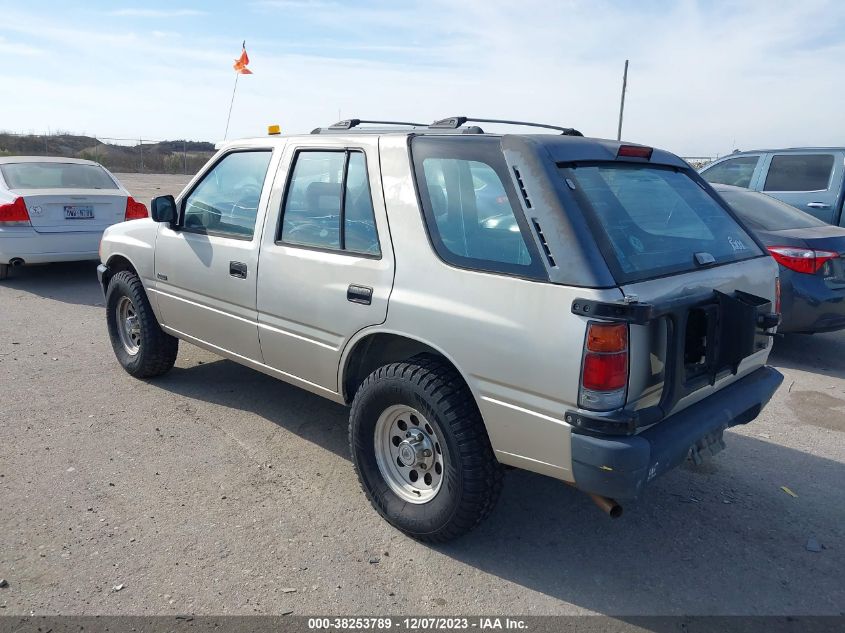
[(79, 212)]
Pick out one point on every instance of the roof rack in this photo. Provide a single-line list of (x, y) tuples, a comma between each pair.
[(348, 124), (454, 122), (450, 125)]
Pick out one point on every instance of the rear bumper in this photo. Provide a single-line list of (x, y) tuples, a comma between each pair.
[(810, 305), (620, 467), (42, 248)]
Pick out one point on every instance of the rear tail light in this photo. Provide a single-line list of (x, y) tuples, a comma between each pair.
[(135, 210), (14, 213), (801, 260), (634, 151), (604, 371)]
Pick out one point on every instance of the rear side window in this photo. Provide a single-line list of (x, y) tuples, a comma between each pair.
[(56, 176), (765, 213), (734, 171), (653, 221), (328, 204), (799, 172), (469, 207)]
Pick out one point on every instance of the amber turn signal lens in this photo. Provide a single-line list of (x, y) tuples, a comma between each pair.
[(607, 337)]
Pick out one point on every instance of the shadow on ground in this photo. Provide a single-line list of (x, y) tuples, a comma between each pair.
[(68, 282), (718, 539), (820, 353)]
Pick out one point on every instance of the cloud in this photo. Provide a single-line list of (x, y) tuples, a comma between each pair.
[(155, 13), (705, 77), (17, 48)]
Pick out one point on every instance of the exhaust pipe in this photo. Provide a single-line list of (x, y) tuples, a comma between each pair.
[(607, 505), (16, 261)]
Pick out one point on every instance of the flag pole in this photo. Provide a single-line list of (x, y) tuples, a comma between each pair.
[(231, 103), (239, 66)]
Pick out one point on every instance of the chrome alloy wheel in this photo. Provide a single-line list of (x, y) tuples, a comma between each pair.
[(410, 453), (128, 327)]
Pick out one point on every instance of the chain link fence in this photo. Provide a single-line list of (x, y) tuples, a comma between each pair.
[(115, 153)]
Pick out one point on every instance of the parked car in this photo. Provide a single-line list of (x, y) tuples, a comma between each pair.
[(811, 179), (811, 255), (56, 209), (614, 324)]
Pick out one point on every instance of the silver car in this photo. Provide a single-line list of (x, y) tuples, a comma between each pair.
[(581, 308), (56, 209)]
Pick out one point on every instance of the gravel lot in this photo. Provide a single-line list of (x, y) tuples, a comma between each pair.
[(218, 490)]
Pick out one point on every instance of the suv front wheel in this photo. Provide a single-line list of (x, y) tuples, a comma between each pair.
[(421, 451), (139, 343)]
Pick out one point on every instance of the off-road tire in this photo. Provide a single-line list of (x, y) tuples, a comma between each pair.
[(473, 477), (4, 271), (157, 351)]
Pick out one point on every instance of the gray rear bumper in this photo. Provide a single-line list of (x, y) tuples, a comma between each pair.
[(621, 466)]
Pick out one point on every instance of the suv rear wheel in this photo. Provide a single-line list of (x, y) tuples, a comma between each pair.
[(138, 341), (421, 451)]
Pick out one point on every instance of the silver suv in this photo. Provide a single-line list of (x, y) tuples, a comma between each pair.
[(581, 308)]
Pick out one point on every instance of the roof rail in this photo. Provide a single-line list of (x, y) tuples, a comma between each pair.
[(350, 123), (353, 126), (454, 122)]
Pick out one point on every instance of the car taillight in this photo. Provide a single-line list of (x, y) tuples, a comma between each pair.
[(604, 371), (14, 213), (135, 210), (801, 260)]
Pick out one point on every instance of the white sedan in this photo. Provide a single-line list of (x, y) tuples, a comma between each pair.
[(56, 209)]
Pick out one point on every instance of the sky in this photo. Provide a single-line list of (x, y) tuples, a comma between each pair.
[(705, 77)]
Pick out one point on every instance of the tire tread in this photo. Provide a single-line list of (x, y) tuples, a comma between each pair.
[(481, 473)]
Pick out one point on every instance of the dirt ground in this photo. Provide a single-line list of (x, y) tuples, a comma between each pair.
[(218, 490)]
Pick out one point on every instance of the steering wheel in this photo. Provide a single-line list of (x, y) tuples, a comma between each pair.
[(247, 194)]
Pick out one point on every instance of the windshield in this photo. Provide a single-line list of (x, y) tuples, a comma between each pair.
[(656, 220), (764, 213), (56, 176)]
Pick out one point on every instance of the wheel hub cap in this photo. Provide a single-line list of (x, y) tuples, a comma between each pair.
[(409, 453), (416, 450), (128, 326)]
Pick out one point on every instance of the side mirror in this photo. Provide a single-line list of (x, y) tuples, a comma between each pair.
[(163, 209)]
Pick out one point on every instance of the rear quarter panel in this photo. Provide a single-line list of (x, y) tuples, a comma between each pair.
[(515, 341)]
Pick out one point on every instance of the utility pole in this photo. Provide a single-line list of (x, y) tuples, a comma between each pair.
[(622, 104)]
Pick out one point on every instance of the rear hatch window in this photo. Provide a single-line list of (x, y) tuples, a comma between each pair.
[(653, 221), (49, 175)]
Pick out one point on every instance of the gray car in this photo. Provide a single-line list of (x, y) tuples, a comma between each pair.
[(811, 179), (581, 308)]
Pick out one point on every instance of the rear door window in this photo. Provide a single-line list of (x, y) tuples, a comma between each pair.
[(328, 203), (799, 172), (653, 221), (734, 171)]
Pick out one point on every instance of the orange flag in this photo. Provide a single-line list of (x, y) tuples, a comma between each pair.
[(241, 62)]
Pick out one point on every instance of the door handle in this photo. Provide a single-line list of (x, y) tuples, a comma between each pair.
[(237, 269), (818, 205), (359, 294)]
